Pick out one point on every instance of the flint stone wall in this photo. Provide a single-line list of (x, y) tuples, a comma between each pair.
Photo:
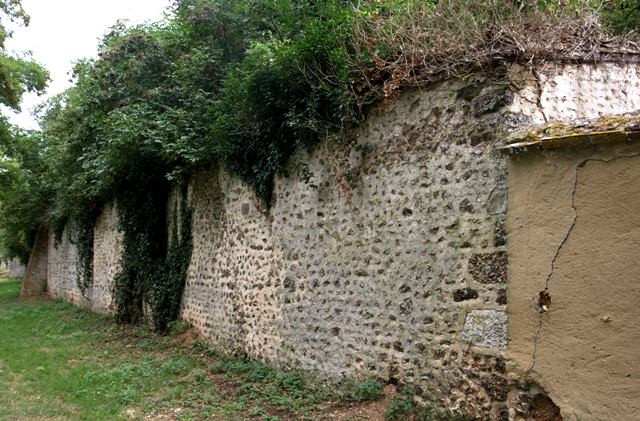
[(62, 270), (385, 259), (371, 258)]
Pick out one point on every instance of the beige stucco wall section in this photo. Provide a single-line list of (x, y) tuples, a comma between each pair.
[(574, 226)]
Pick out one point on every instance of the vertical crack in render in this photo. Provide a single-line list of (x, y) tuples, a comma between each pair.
[(535, 347), (542, 311), (536, 76)]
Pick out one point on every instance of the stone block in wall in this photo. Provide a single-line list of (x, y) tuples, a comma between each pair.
[(489, 268), (486, 328), (491, 102)]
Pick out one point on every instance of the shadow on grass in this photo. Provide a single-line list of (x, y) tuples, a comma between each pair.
[(9, 289)]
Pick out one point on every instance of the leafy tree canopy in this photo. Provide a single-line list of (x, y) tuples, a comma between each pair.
[(17, 74), (20, 154)]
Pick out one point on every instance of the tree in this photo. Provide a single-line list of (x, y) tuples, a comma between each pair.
[(17, 75), (20, 155)]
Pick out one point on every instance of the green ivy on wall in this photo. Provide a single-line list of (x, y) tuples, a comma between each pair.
[(154, 265)]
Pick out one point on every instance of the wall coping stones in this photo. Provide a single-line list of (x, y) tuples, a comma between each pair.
[(608, 129)]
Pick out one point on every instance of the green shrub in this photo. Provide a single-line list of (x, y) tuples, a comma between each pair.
[(621, 16), (360, 391), (404, 407)]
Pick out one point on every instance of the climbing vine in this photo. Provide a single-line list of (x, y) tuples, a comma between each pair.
[(154, 265), (165, 295), (83, 238)]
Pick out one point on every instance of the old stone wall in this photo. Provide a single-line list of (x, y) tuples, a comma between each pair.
[(574, 237), (233, 280), (62, 269), (107, 254), (35, 275), (371, 259), (63, 264), (576, 92), (385, 258)]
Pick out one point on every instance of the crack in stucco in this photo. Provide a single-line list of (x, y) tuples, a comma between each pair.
[(536, 77), (580, 165)]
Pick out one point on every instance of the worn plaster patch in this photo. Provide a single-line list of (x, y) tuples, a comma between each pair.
[(486, 328)]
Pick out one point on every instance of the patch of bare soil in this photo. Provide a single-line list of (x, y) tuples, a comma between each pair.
[(370, 411), (187, 338)]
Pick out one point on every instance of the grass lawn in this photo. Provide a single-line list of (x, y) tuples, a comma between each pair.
[(59, 362)]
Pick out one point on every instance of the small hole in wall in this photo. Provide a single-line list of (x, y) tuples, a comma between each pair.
[(407, 212), (394, 374), (543, 409), (544, 301)]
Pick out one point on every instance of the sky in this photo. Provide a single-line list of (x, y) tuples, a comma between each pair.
[(63, 31)]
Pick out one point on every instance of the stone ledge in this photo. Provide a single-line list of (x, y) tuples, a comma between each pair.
[(609, 129)]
